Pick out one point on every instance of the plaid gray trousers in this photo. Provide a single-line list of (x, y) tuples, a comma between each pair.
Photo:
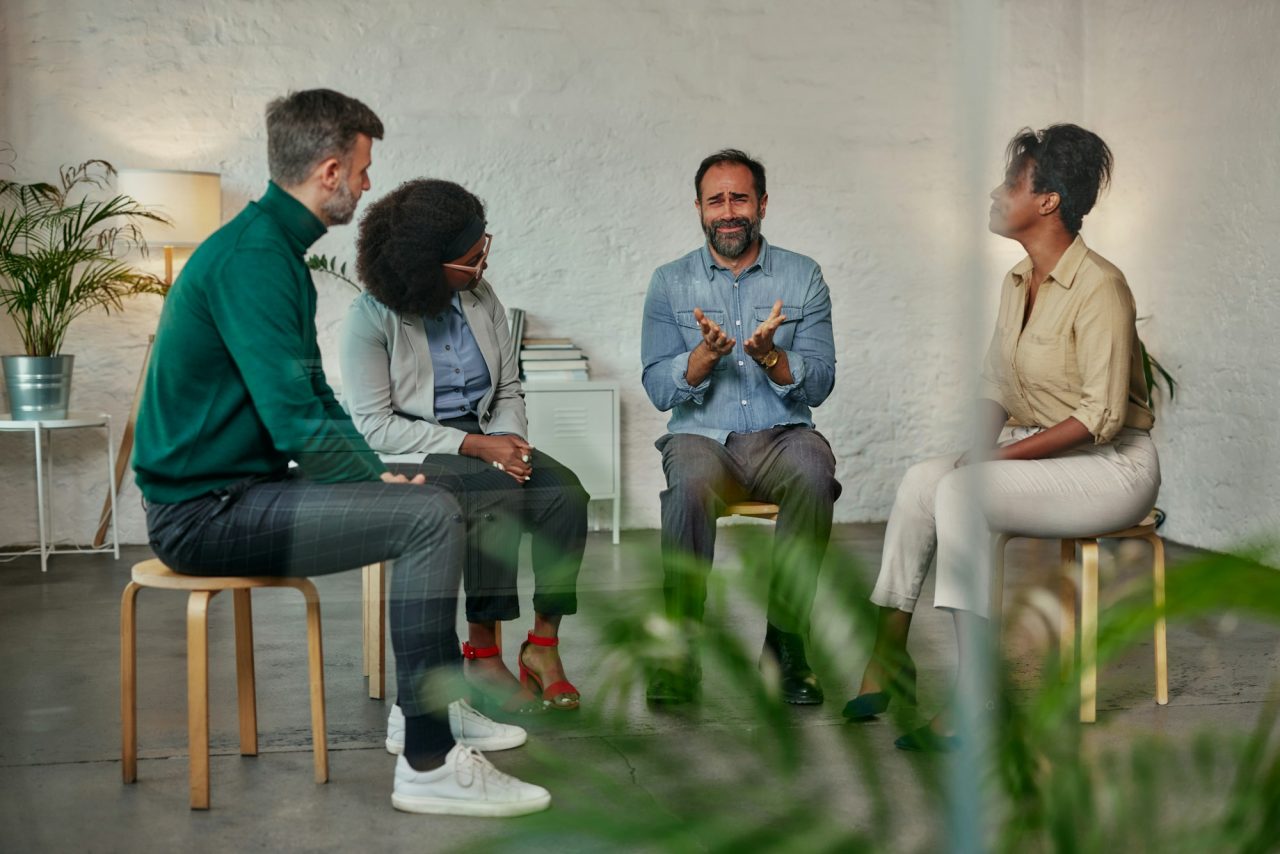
[(290, 526)]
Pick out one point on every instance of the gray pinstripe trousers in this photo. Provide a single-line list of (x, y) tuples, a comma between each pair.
[(792, 467), (290, 526)]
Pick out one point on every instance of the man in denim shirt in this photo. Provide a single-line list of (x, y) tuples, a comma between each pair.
[(737, 345)]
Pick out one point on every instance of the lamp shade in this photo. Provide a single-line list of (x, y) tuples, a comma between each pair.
[(192, 200)]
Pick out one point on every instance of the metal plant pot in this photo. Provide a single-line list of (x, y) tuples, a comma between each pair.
[(39, 386)]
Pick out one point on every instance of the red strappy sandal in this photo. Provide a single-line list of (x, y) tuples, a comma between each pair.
[(558, 695), (482, 696)]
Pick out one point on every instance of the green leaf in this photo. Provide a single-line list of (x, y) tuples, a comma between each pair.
[(325, 264), (60, 257)]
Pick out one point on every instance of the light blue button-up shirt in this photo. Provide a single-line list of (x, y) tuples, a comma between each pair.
[(461, 376), (738, 396)]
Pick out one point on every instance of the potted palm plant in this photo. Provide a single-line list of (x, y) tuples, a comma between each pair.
[(60, 256)]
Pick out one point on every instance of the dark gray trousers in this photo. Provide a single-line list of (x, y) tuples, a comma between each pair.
[(551, 505), (792, 467), (290, 526)]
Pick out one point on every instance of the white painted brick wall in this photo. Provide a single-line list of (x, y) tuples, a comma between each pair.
[(1186, 93), (580, 123)]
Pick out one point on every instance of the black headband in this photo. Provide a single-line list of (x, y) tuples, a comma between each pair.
[(471, 232)]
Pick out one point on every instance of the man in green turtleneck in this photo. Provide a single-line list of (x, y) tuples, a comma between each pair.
[(236, 391)]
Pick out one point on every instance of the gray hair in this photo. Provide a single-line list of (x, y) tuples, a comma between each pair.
[(305, 128)]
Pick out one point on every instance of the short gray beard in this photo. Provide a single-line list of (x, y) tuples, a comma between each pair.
[(339, 208)]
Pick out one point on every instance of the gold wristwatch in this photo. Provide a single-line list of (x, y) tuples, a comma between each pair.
[(770, 359)]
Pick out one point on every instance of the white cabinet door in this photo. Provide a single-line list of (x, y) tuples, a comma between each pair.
[(577, 426)]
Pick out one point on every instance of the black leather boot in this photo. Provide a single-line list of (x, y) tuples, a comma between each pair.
[(675, 685), (800, 684), (677, 680)]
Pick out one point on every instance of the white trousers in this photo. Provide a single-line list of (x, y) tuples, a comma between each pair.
[(956, 513)]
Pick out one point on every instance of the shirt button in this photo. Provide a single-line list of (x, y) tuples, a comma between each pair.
[(744, 403), (741, 363), (737, 323), (457, 370), (447, 347)]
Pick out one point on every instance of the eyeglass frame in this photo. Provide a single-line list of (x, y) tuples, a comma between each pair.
[(477, 269)]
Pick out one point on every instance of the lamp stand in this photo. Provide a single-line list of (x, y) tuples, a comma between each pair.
[(125, 453)]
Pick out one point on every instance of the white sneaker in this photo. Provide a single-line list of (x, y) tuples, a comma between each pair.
[(468, 726), (466, 784)]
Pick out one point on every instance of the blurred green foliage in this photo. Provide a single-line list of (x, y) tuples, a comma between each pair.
[(1044, 782)]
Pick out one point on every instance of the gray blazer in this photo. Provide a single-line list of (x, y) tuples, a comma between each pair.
[(388, 384)]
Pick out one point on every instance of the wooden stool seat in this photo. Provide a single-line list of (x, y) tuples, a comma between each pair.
[(755, 509), (1144, 530), (153, 573)]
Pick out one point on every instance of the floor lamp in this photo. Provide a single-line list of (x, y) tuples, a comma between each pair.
[(193, 203)]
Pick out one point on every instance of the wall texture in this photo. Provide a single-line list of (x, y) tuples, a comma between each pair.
[(1185, 93), (581, 124)]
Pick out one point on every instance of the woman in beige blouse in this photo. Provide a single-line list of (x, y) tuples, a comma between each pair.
[(1068, 451)]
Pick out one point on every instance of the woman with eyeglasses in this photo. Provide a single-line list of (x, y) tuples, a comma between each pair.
[(428, 366)]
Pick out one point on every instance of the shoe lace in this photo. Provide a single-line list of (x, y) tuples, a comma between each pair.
[(469, 713), (470, 765)]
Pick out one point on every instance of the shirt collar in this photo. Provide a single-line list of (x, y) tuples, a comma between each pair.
[(300, 225), (762, 261), (454, 307), (1064, 272)]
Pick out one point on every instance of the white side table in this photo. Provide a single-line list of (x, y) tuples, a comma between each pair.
[(578, 424), (41, 434)]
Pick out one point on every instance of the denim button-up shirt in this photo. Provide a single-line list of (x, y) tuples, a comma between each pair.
[(737, 396)]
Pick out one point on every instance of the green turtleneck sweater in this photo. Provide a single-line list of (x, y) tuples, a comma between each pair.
[(235, 387)]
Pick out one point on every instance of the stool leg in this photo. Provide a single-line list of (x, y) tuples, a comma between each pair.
[(1067, 601), (246, 689), (365, 581), (376, 634), (1088, 630), (198, 695), (129, 682), (315, 666), (1162, 653)]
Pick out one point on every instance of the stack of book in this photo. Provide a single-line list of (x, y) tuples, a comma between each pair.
[(551, 360), (546, 359)]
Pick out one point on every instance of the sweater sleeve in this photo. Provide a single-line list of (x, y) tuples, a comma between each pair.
[(262, 310)]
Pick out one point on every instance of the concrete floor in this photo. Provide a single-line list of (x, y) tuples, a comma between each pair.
[(617, 767)]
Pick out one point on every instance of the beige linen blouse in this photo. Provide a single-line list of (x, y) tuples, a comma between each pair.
[(1078, 355)]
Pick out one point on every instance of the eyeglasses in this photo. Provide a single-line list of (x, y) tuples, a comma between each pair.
[(474, 270)]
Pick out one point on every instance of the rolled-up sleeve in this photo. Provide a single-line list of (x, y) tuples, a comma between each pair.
[(1104, 335), (663, 353), (812, 354)]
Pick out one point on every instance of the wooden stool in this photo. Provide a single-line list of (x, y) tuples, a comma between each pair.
[(153, 573), (1145, 530)]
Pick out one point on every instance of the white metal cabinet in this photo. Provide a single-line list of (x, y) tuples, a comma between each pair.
[(577, 423)]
